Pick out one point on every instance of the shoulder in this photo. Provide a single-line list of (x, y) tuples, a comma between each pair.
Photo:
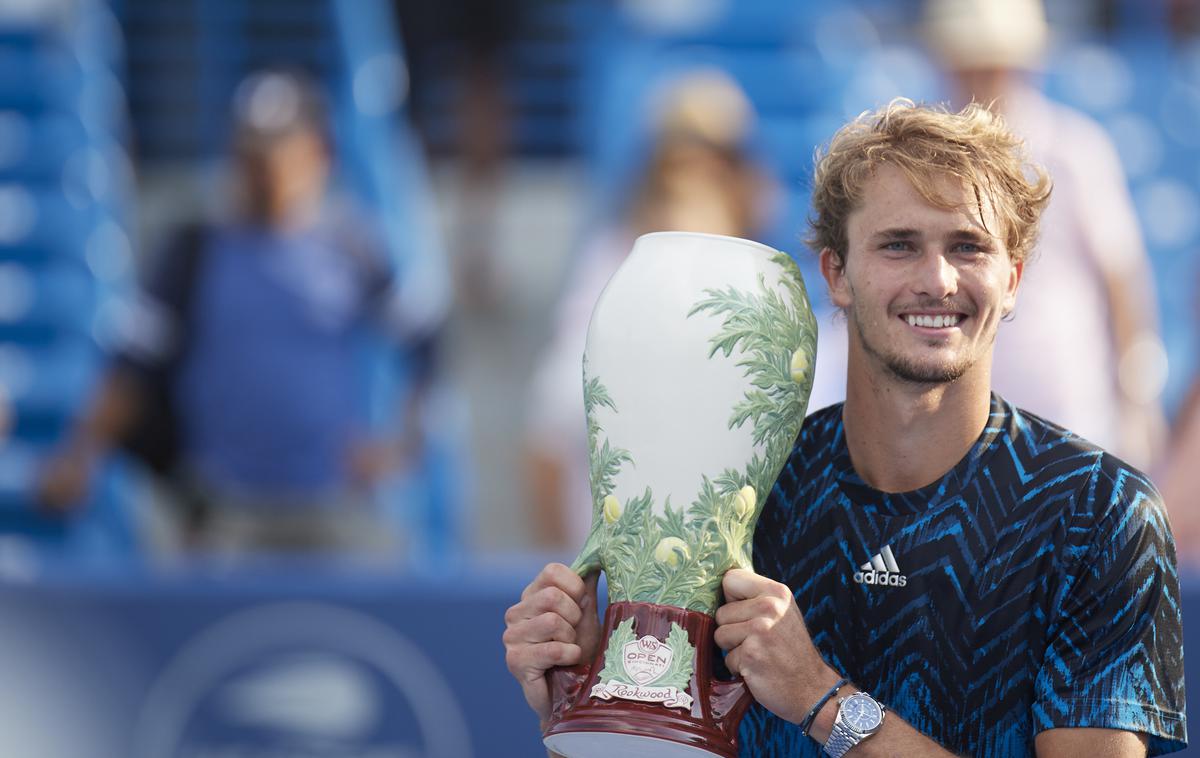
[(1100, 469), (1107, 503)]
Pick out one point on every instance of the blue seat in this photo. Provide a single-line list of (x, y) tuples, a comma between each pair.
[(36, 217), (54, 376), (53, 294), (791, 141), (45, 79), (34, 146)]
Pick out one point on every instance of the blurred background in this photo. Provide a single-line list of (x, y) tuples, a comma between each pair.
[(293, 296)]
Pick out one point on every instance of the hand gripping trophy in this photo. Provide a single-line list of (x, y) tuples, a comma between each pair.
[(697, 372)]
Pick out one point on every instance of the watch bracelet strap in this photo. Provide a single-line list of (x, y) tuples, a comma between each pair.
[(841, 739)]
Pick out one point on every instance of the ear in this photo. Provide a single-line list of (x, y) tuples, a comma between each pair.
[(833, 269), (1015, 273)]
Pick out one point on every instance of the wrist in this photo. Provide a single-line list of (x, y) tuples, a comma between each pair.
[(820, 687), (822, 724)]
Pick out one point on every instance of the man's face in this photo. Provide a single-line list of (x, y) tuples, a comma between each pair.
[(923, 287), (288, 174)]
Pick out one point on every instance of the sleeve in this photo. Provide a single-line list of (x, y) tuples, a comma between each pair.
[(1114, 657), (151, 336)]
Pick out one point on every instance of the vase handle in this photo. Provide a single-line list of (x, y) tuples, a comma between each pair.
[(565, 682), (729, 701)]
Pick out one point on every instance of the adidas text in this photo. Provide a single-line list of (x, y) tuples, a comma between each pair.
[(880, 577)]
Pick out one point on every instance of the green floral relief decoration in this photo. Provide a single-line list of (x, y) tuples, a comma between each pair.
[(621, 636), (678, 558)]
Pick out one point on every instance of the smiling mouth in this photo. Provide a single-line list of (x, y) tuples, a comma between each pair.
[(933, 321)]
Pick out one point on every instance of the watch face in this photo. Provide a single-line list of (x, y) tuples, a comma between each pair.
[(861, 713)]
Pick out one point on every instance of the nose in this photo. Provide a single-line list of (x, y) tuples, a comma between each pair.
[(936, 276)]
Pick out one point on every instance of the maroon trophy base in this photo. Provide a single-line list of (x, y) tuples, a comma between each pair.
[(585, 726)]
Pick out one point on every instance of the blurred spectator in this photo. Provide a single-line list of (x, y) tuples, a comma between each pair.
[(1082, 348), (473, 36), (698, 178), (240, 375)]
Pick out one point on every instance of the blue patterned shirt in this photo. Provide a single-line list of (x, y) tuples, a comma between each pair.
[(1031, 587)]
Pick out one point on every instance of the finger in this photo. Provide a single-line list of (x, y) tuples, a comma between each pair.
[(732, 613), (528, 663), (554, 600), (732, 636), (557, 575), (772, 605), (733, 660), (545, 600), (544, 628), (740, 584)]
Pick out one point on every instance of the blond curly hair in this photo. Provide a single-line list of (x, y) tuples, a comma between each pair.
[(927, 144)]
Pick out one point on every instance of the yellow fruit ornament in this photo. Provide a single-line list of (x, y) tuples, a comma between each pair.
[(670, 551), (612, 509), (799, 365), (744, 502)]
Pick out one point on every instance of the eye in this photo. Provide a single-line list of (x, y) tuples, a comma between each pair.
[(969, 248), (898, 246)]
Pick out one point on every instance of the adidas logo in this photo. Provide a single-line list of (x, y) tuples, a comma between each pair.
[(881, 569)]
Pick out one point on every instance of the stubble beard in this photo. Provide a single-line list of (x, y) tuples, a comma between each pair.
[(905, 368)]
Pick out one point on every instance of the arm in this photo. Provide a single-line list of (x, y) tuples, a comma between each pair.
[(1094, 743), (897, 738), (375, 457), (67, 475), (1137, 344)]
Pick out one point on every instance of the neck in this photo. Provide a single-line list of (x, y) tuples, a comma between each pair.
[(903, 436)]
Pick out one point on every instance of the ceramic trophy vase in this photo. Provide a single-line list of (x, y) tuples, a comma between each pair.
[(697, 372)]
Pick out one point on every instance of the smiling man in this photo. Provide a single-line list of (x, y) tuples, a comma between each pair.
[(939, 573)]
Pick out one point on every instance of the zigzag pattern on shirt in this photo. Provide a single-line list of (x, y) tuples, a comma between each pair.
[(1041, 590)]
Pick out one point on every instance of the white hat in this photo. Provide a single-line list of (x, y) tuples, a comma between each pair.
[(970, 34), (705, 103)]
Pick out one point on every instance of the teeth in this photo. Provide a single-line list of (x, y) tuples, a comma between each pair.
[(934, 322)]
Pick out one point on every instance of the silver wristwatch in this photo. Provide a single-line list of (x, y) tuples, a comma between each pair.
[(858, 717)]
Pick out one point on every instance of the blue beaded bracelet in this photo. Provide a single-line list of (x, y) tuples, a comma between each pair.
[(812, 715)]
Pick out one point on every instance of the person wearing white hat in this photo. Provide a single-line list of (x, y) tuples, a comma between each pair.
[(1088, 306)]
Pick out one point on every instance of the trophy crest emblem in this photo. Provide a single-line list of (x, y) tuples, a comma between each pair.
[(645, 659)]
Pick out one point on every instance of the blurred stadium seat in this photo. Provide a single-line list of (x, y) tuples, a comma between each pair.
[(63, 178)]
